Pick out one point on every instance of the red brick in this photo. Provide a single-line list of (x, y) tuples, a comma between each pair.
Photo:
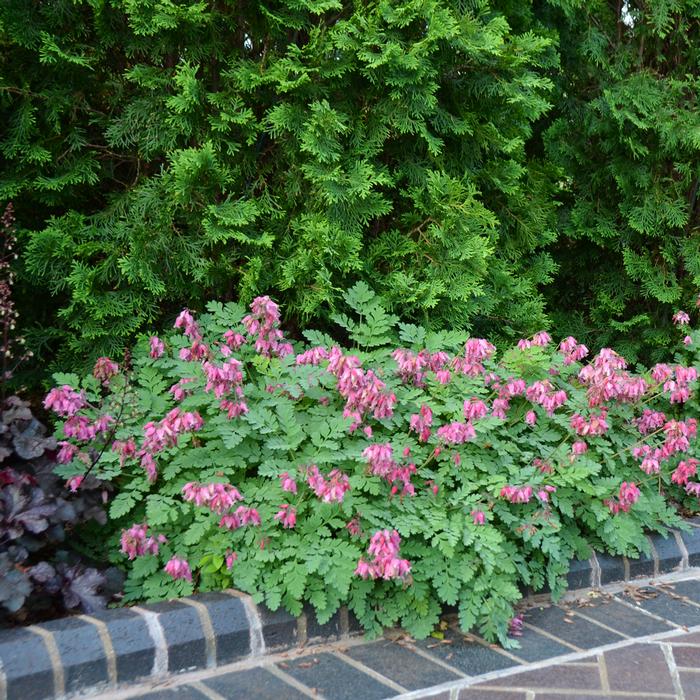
[(686, 656), (562, 676), (640, 667)]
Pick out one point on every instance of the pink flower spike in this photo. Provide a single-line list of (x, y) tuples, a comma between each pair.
[(156, 346), (74, 482), (287, 483), (579, 447), (64, 401), (287, 515), (105, 369), (178, 568), (681, 318)]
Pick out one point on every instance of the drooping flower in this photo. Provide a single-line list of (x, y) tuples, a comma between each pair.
[(681, 318), (531, 418), (478, 517), (73, 484), (135, 542), (218, 497), (287, 483), (178, 568), (64, 401), (386, 564), (287, 515), (157, 347), (579, 447), (105, 369)]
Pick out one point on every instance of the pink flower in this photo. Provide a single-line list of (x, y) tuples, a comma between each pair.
[(218, 497), (628, 496), (287, 483), (157, 347), (136, 543), (231, 557), (478, 517), (517, 494), (475, 408), (579, 447), (456, 433), (66, 453), (515, 626), (178, 568), (684, 471), (353, 527), (105, 369), (263, 327), (80, 428), (331, 490), (572, 351), (287, 515), (421, 423), (64, 401), (233, 340), (681, 318), (179, 390), (687, 340), (384, 547), (595, 425), (74, 482), (531, 418)]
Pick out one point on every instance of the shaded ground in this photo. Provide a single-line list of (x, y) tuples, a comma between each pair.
[(639, 642)]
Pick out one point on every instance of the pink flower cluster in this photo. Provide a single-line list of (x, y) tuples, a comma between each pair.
[(677, 439), (572, 350), (607, 379), (476, 352), (178, 568), (523, 494), (287, 483), (362, 390), (679, 386), (165, 433), (382, 464), (386, 564), (595, 425), (287, 515), (540, 339), (179, 391), (263, 325), (224, 380), (544, 394), (218, 497), (627, 497), (413, 367), (422, 422), (136, 542), (105, 369), (684, 471), (650, 421), (681, 318), (243, 516), (156, 346), (198, 349), (331, 489), (64, 401), (456, 433)]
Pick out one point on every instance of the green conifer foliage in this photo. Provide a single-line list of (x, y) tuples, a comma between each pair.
[(162, 152), (627, 136)]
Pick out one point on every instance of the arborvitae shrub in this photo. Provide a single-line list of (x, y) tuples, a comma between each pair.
[(164, 153)]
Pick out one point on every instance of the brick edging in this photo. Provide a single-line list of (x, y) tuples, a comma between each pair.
[(119, 646)]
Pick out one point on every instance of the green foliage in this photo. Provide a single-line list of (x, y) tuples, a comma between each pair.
[(626, 134), (324, 409), (163, 153)]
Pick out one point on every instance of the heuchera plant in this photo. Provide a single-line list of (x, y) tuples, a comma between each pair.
[(415, 470)]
